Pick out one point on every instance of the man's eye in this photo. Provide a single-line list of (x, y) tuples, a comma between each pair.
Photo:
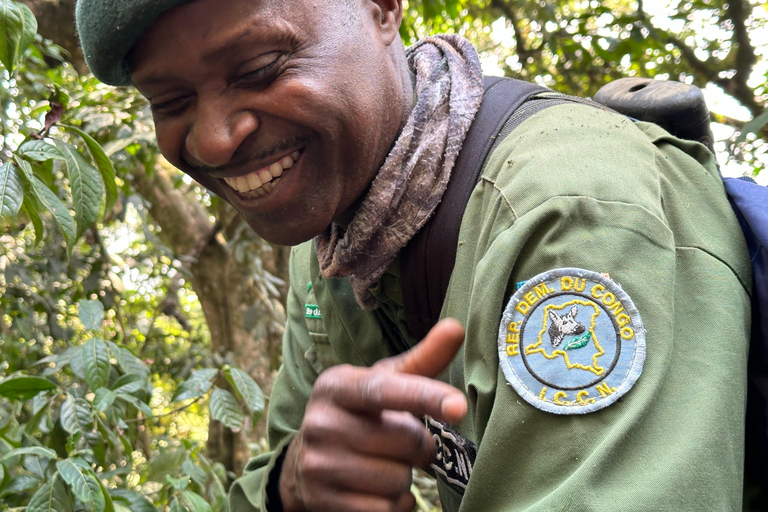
[(170, 106), (264, 72)]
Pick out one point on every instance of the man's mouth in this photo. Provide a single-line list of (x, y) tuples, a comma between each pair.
[(261, 182)]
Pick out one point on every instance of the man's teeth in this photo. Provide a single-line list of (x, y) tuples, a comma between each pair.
[(264, 179)]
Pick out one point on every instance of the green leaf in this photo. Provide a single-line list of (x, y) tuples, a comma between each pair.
[(97, 502), (224, 408), (132, 500), (248, 390), (91, 314), (103, 399), (76, 363), (96, 363), (196, 472), (18, 27), (29, 450), (22, 387), (30, 207), (753, 126), (579, 342), (178, 484), (52, 203), (32, 464), (80, 463), (11, 191), (453, 8), (84, 486), (40, 401), (176, 506), (129, 383), (196, 385), (128, 362), (33, 423), (74, 478), (167, 462), (62, 359), (109, 506), (41, 500), (75, 415), (19, 484), (39, 151), (87, 187), (51, 497), (136, 403), (103, 164), (195, 502), (28, 32)]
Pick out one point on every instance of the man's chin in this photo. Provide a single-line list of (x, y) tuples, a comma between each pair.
[(288, 224), (282, 232)]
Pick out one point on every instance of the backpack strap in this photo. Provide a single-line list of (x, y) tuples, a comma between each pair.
[(428, 259)]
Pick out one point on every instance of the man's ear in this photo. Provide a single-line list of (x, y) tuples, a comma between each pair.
[(389, 15)]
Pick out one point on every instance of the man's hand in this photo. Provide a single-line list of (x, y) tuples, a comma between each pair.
[(360, 436)]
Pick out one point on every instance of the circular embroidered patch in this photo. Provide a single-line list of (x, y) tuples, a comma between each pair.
[(571, 341)]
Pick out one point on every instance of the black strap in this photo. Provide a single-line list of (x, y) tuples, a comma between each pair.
[(428, 259)]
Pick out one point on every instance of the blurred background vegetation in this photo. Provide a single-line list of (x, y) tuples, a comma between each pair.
[(140, 319)]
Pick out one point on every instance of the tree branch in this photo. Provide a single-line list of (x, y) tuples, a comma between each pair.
[(699, 66), (745, 57), (508, 11), (143, 419), (185, 222)]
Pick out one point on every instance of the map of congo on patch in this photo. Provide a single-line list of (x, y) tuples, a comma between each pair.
[(571, 341)]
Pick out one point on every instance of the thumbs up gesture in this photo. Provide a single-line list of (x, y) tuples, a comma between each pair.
[(360, 436)]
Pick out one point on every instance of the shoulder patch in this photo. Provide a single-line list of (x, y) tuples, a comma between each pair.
[(571, 341)]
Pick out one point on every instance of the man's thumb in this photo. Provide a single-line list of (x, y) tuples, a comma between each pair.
[(433, 354)]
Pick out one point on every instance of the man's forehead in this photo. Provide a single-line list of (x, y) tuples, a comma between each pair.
[(215, 36), (243, 36), (109, 30)]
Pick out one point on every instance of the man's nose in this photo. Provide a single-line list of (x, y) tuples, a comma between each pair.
[(218, 132)]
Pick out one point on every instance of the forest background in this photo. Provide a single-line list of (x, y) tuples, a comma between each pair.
[(140, 319)]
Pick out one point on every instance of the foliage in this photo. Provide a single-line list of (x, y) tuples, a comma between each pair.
[(92, 349), (578, 46), (75, 435)]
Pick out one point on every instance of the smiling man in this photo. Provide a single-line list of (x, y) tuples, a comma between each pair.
[(286, 112), (600, 274)]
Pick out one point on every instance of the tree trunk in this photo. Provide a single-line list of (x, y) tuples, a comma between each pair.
[(227, 291)]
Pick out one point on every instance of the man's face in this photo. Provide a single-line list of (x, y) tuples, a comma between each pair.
[(285, 108)]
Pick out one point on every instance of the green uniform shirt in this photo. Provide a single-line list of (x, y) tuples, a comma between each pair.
[(572, 186)]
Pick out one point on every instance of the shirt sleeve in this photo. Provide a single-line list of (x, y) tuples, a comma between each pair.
[(290, 393), (674, 441)]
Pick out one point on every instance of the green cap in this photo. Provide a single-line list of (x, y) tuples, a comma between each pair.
[(108, 30)]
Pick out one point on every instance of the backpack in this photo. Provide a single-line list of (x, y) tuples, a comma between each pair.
[(428, 259)]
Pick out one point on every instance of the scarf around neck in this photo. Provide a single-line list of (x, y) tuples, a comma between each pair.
[(415, 174)]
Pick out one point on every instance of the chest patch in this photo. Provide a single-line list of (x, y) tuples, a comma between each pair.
[(571, 341), (311, 309), (454, 454)]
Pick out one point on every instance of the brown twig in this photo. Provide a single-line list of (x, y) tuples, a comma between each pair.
[(142, 419)]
